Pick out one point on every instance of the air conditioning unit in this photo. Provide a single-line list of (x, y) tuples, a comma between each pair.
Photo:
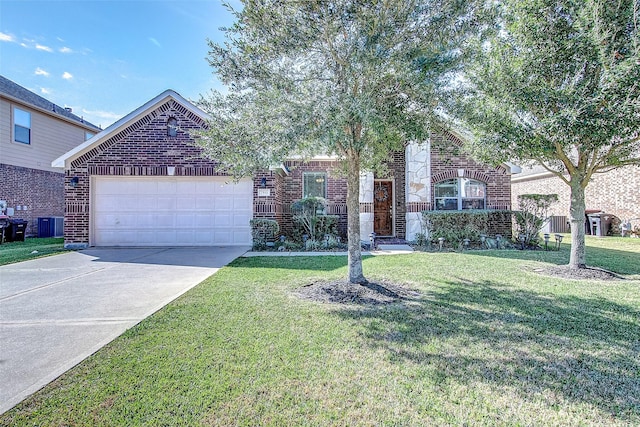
[(51, 226)]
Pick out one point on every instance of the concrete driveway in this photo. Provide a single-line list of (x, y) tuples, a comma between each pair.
[(56, 311)]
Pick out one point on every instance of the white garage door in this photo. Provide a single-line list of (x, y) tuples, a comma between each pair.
[(171, 211)]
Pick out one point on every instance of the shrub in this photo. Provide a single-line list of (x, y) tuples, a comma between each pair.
[(309, 218), (532, 216), (455, 226), (263, 231)]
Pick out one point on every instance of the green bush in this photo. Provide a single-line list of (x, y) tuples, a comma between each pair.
[(263, 231), (455, 226), (532, 216), (309, 218)]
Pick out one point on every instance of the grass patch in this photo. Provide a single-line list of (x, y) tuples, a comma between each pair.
[(31, 248), (486, 342)]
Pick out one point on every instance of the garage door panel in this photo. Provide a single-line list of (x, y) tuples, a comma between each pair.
[(205, 203), (241, 220), (171, 211), (166, 187), (223, 220)]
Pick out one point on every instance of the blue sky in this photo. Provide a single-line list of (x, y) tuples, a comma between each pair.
[(105, 58)]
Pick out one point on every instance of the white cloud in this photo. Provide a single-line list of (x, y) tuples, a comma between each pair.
[(154, 41), (43, 47), (66, 50), (44, 91), (40, 72), (67, 75), (4, 37), (109, 115)]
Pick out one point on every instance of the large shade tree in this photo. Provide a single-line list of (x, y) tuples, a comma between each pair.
[(351, 78), (558, 84)]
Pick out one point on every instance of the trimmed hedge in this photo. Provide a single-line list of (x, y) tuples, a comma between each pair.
[(455, 226)]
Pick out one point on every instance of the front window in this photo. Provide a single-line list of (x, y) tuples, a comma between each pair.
[(314, 184), (21, 126), (459, 194)]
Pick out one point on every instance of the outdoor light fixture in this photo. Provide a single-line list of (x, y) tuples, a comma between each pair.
[(465, 242), (498, 239), (521, 237), (546, 241), (372, 239), (558, 241), (440, 242), (74, 182), (483, 239)]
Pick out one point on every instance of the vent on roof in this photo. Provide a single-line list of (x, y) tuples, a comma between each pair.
[(69, 109)]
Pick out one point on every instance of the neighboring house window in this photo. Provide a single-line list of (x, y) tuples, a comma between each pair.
[(172, 127), (88, 135), (314, 184), (460, 193), (21, 126)]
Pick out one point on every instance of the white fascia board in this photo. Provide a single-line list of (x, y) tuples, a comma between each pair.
[(65, 160), (513, 168)]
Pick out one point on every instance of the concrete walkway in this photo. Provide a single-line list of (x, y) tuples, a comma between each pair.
[(58, 310)]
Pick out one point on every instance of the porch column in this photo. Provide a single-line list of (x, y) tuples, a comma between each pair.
[(418, 187), (366, 205)]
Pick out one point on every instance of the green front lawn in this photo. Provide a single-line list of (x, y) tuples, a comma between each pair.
[(31, 248), (487, 342)]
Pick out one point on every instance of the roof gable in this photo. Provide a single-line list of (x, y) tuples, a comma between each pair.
[(128, 123)]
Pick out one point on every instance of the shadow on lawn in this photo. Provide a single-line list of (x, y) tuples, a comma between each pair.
[(566, 347), (312, 263), (621, 262)]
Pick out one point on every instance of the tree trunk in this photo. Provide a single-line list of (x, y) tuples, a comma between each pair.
[(577, 218), (353, 218)]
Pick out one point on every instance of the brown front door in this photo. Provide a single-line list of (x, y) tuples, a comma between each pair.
[(383, 208)]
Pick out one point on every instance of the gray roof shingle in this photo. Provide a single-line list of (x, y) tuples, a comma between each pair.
[(14, 90)]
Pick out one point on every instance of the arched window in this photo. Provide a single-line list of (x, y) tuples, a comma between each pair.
[(172, 127), (460, 193)]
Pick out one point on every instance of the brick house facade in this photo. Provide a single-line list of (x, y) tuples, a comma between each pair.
[(616, 192), (136, 184)]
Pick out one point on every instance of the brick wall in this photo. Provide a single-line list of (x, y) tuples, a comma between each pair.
[(42, 192), (291, 190), (142, 149), (616, 192), (446, 159)]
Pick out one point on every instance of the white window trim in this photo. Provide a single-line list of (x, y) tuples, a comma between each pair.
[(14, 124), (458, 196)]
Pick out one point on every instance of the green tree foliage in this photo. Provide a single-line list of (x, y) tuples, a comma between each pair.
[(558, 83), (350, 78)]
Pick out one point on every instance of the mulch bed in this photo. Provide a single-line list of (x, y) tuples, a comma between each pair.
[(344, 292), (587, 273)]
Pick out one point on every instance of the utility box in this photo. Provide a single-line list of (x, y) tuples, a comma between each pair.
[(51, 227)]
